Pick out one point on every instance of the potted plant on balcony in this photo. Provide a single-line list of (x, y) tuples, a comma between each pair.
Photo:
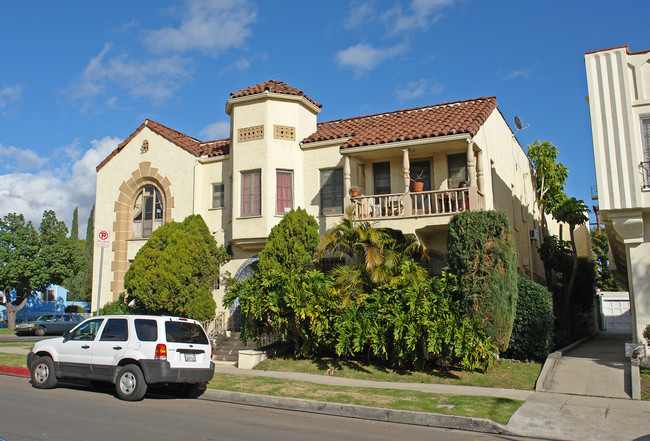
[(354, 191), (418, 182)]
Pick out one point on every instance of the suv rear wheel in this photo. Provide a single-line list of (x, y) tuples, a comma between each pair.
[(130, 384), (42, 373)]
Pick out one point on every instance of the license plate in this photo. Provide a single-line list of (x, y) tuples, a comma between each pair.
[(190, 357)]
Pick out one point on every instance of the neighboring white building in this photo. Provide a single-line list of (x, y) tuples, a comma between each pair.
[(619, 103), (279, 157)]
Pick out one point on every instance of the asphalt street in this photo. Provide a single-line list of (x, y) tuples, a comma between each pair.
[(79, 412)]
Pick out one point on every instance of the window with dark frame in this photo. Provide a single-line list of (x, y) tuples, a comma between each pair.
[(331, 193), (147, 212), (329, 263), (218, 196), (284, 191), (251, 193), (381, 177), (456, 169)]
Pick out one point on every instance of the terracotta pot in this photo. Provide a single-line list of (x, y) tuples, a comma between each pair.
[(354, 192), (418, 186)]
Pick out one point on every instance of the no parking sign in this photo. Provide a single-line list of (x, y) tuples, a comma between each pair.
[(103, 238)]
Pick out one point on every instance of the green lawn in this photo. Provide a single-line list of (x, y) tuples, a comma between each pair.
[(7, 331), (495, 409), (14, 360), (645, 384), (505, 374)]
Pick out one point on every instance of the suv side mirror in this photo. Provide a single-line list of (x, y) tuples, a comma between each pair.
[(66, 335)]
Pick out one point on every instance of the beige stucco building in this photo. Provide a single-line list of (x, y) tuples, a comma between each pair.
[(280, 157), (619, 103)]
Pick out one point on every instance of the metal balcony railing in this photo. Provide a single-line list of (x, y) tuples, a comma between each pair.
[(645, 172)]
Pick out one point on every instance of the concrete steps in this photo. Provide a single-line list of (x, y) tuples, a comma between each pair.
[(227, 348)]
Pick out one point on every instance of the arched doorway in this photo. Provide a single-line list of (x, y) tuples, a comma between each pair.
[(244, 272)]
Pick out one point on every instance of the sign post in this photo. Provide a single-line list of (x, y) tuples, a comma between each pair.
[(103, 239)]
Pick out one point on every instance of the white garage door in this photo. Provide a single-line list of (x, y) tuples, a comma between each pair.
[(616, 314)]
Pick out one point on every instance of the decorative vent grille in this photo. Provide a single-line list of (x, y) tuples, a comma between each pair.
[(250, 133), (284, 132)]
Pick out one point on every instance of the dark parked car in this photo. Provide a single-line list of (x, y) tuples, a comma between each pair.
[(50, 324)]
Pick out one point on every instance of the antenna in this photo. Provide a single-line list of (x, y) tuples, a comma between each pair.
[(519, 125)]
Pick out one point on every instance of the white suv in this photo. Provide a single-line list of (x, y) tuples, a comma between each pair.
[(131, 351)]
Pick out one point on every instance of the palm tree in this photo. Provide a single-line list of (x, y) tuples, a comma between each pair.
[(373, 256)]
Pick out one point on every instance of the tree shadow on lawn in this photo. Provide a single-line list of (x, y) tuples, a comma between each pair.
[(327, 364)]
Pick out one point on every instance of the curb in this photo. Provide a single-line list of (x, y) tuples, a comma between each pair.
[(15, 371), (355, 411), (552, 358)]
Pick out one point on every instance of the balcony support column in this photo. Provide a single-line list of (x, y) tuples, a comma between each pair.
[(480, 180), (471, 163), (406, 166), (346, 181)]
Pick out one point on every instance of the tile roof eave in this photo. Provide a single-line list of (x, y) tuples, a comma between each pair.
[(267, 95)]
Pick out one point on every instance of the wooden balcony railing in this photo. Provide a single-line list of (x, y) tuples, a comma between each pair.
[(424, 203)]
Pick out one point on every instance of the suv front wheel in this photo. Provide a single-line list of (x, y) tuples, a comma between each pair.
[(42, 373), (130, 384)]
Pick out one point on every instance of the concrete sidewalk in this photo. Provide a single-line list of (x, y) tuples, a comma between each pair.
[(597, 367)]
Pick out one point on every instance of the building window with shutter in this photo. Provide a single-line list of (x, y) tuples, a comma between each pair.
[(251, 193), (284, 191)]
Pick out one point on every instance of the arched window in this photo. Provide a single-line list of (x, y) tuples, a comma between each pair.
[(147, 212)]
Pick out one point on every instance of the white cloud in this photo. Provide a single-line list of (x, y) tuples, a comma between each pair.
[(416, 89), (10, 95), (13, 158), (364, 57), (518, 73), (155, 79), (360, 14), (420, 15), (211, 26), (216, 130), (60, 190)]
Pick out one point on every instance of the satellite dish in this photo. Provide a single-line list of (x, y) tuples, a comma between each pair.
[(518, 123)]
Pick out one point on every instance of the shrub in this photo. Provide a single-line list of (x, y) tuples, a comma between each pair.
[(298, 307), (118, 306), (532, 332), (482, 257), (408, 324), (173, 273), (75, 309)]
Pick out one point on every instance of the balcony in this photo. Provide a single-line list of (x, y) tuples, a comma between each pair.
[(417, 204)]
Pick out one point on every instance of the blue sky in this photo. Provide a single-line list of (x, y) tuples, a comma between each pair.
[(78, 77)]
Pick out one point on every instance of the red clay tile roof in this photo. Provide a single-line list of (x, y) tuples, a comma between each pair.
[(273, 87), (191, 145), (403, 125)]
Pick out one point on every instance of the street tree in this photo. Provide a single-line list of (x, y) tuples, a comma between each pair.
[(32, 260), (550, 177), (174, 272), (573, 212), (79, 286)]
